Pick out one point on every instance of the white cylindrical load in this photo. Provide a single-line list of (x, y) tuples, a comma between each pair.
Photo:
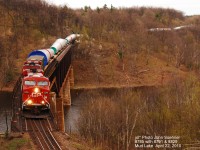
[(58, 45), (48, 53), (51, 51), (71, 37)]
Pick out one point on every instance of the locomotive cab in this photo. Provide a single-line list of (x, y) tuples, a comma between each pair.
[(35, 93)]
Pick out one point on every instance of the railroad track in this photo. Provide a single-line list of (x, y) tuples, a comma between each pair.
[(40, 131)]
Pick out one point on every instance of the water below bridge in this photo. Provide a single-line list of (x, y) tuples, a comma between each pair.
[(5, 110), (71, 113)]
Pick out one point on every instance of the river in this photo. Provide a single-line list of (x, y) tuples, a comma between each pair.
[(5, 110)]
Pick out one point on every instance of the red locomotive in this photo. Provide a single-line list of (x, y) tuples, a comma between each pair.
[(35, 93)]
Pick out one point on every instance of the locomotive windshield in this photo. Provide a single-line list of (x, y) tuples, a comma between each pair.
[(30, 83), (42, 83)]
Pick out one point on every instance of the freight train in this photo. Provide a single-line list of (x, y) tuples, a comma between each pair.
[(35, 86)]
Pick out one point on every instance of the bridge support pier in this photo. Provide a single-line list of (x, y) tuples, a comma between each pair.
[(60, 115), (71, 74), (66, 95), (53, 103), (64, 99), (57, 111), (67, 84)]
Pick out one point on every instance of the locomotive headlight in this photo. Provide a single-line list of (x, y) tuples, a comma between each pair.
[(29, 102), (36, 90), (43, 102)]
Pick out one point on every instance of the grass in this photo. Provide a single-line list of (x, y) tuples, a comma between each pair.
[(16, 143), (77, 143), (78, 146)]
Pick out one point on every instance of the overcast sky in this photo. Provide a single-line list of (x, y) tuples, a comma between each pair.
[(189, 7)]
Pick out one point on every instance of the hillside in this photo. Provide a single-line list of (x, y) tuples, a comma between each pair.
[(117, 48), (110, 50), (26, 26), (104, 68)]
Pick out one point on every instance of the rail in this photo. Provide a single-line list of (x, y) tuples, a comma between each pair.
[(36, 137), (39, 131)]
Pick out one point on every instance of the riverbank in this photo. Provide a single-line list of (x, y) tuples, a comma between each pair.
[(16, 141)]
